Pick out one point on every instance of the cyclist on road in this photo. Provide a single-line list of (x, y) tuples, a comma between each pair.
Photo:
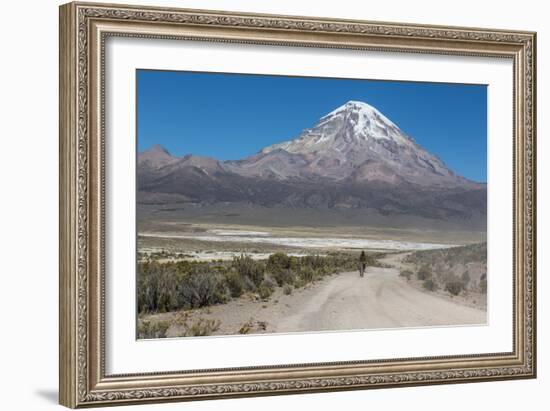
[(362, 264)]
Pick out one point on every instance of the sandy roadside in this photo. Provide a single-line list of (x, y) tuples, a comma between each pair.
[(340, 302), (469, 299)]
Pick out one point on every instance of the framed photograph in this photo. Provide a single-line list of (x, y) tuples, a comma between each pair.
[(259, 204)]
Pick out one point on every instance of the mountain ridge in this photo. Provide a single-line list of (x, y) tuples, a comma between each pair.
[(353, 157)]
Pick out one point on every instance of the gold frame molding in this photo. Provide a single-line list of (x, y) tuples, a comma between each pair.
[(84, 27)]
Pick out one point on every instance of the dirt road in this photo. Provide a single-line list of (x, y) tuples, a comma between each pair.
[(343, 301), (379, 300)]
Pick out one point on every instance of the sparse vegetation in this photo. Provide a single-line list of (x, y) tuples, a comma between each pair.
[(199, 327), (250, 269), (450, 256), (283, 276), (430, 284), (202, 288), (266, 288), (424, 272), (455, 270), (203, 327), (235, 283), (175, 285), (406, 273), (246, 327), (152, 329), (454, 285)]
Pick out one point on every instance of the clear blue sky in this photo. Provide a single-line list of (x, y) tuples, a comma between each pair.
[(231, 116)]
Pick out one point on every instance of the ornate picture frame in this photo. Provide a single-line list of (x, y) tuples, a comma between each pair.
[(84, 29)]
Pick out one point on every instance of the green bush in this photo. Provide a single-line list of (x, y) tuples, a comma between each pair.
[(202, 288), (307, 274), (235, 283), (282, 276), (156, 287), (248, 267), (265, 289), (278, 261)]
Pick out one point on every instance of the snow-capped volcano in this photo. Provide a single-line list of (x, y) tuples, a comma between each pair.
[(354, 160), (353, 122), (356, 142)]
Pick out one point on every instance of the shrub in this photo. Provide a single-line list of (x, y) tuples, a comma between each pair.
[(299, 283), (196, 328), (268, 282), (246, 327), (248, 267), (156, 287), (430, 285), (307, 274), (265, 289), (454, 286), (202, 288), (175, 285), (278, 261), (424, 272), (235, 283), (248, 284), (202, 327), (287, 290), (283, 276), (406, 273), (264, 292), (152, 329)]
